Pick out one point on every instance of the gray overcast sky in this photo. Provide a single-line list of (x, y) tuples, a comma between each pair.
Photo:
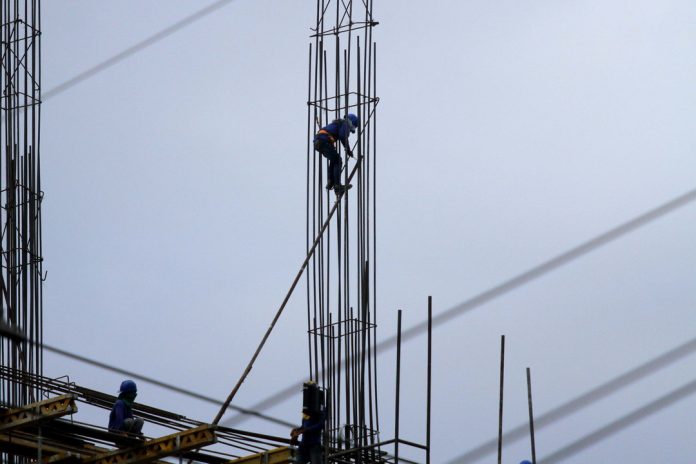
[(508, 132)]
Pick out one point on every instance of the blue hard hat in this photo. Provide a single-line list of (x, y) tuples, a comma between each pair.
[(354, 120), (128, 386), (526, 462)]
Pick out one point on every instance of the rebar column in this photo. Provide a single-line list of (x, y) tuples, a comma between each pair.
[(341, 276), (21, 259)]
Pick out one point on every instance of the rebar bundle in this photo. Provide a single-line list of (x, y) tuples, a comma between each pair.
[(341, 276), (21, 259)]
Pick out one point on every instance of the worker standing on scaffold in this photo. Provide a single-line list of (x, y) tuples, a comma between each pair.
[(313, 419), (310, 448), (324, 143)]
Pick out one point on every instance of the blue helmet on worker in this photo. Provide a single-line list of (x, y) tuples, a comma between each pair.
[(354, 121), (128, 386)]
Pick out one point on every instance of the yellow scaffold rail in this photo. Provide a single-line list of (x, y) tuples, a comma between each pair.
[(170, 445), (34, 413), (282, 455)]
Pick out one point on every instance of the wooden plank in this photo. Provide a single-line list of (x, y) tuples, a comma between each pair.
[(281, 455)]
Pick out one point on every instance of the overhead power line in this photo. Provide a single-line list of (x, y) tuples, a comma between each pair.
[(7, 331), (507, 286), (552, 264), (138, 47), (579, 402), (453, 312), (616, 426)]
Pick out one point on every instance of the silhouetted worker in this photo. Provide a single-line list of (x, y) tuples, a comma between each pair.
[(121, 419), (310, 448), (325, 143)]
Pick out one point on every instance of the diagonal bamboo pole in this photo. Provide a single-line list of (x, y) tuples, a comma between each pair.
[(310, 253)]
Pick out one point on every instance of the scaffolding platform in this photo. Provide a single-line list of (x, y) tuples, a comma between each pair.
[(47, 432)]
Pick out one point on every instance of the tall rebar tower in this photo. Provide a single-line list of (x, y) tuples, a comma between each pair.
[(20, 200), (341, 276)]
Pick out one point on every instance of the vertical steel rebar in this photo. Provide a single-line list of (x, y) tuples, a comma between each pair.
[(343, 81), (21, 274), (398, 389), (531, 415), (500, 410), (430, 360)]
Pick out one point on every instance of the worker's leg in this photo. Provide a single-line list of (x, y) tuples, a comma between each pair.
[(328, 150), (138, 427), (133, 425), (301, 455), (315, 454)]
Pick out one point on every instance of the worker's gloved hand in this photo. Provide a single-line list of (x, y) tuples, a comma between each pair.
[(294, 435)]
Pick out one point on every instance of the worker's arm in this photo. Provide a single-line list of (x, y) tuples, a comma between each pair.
[(343, 134), (346, 145), (317, 425)]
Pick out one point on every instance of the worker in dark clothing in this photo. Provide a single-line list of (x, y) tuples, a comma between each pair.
[(325, 143), (310, 448), (121, 419)]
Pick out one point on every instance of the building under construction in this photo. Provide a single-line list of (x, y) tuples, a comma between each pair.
[(39, 416)]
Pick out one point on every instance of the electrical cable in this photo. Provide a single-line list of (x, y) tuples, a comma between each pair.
[(616, 426), (480, 299), (7, 331), (132, 50), (514, 283)]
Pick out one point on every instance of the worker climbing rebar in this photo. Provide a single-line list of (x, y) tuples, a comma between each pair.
[(325, 143)]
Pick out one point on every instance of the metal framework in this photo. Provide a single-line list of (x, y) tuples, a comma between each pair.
[(36, 413), (169, 445), (274, 456), (41, 432), (342, 269), (20, 199), (341, 300)]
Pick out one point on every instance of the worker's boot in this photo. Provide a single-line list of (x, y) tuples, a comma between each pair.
[(341, 189), (329, 186)]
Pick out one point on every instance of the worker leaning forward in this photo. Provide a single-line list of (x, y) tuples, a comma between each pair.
[(325, 143)]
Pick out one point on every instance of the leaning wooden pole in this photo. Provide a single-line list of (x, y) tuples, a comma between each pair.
[(310, 253), (318, 239)]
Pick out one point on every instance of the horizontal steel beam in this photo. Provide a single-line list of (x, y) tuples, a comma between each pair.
[(170, 445), (35, 413), (26, 446)]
